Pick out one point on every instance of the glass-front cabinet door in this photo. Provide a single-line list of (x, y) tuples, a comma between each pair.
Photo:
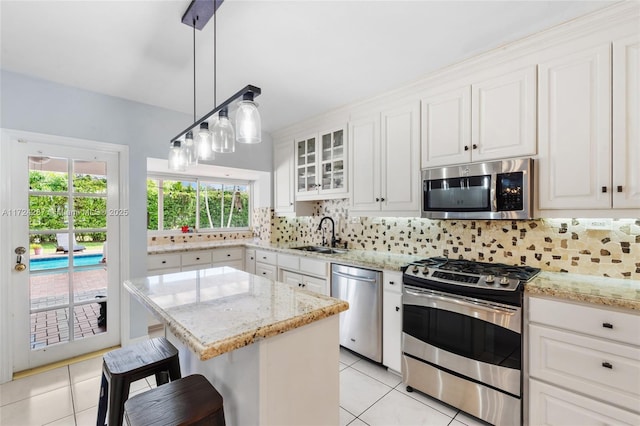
[(332, 160), (306, 166), (320, 165)]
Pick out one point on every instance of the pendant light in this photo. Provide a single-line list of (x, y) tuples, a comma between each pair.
[(248, 125), (214, 131), (224, 138), (205, 149), (177, 162), (189, 148)]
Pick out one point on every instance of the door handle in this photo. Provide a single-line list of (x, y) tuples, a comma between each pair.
[(19, 265)]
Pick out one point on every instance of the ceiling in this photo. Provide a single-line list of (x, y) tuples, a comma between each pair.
[(307, 56)]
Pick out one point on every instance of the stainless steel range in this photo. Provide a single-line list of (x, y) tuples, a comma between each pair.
[(462, 335)]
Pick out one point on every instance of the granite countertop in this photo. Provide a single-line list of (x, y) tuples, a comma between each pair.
[(363, 258), (218, 310), (615, 292)]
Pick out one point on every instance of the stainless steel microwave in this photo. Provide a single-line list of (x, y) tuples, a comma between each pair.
[(493, 190)]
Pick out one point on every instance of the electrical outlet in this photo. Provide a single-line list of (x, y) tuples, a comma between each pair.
[(598, 224)]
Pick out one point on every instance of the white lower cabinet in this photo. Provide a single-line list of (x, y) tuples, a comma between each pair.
[(250, 261), (555, 406), (392, 320), (584, 364), (266, 262), (194, 260), (302, 272), (306, 282)]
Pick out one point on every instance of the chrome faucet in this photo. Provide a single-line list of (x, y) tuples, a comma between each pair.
[(333, 231)]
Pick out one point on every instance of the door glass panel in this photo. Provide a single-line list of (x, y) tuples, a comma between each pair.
[(49, 288), (49, 327), (89, 319), (90, 177), (48, 212), (48, 174), (89, 212)]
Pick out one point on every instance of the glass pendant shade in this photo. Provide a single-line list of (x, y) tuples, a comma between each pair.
[(190, 153), (248, 126), (177, 160), (224, 138), (205, 150)]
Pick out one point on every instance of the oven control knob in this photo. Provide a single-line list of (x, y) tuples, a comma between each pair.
[(415, 270), (425, 271), (504, 281), (490, 279)]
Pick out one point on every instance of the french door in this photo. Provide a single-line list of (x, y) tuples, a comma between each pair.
[(65, 225)]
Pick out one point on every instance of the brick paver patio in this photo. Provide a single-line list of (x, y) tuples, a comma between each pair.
[(52, 290)]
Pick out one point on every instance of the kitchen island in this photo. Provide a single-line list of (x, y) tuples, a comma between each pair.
[(270, 349)]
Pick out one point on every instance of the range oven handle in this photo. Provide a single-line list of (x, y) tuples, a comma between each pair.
[(451, 298)]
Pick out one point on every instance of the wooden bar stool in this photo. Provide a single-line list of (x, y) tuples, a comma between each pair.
[(126, 365), (191, 400)]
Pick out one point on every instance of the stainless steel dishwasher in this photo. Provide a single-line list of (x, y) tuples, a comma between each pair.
[(361, 324)]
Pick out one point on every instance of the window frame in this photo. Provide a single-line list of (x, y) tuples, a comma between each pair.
[(198, 179)]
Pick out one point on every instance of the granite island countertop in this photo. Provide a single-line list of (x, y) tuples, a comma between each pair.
[(614, 292), (218, 310)]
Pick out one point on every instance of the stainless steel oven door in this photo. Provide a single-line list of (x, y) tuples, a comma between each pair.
[(477, 339)]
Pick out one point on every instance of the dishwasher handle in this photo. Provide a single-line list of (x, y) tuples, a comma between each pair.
[(355, 277)]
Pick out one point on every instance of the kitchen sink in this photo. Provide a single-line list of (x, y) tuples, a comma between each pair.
[(321, 249)]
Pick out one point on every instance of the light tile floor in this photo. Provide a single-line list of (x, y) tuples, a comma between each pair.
[(369, 395)]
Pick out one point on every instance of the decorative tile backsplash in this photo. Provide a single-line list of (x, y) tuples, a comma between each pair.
[(551, 244), (554, 245)]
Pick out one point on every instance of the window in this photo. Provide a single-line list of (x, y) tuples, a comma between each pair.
[(198, 203)]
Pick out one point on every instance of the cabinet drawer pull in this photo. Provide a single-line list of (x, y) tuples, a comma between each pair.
[(607, 325), (264, 273), (607, 365), (392, 282), (197, 258), (619, 188), (164, 261), (228, 254), (264, 257), (604, 189)]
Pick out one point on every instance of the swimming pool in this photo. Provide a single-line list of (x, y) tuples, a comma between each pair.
[(63, 261)]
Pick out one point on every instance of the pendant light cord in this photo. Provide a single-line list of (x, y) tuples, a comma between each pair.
[(194, 70), (215, 53)]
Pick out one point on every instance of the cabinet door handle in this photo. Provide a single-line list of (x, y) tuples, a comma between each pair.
[(397, 308), (392, 282), (197, 258), (381, 199), (164, 261), (264, 273), (619, 188), (607, 325), (475, 146), (604, 189), (466, 147), (377, 199), (264, 257), (228, 254), (607, 365)]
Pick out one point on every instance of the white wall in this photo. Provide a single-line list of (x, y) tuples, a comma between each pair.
[(41, 106)]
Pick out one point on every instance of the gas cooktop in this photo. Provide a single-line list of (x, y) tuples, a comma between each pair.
[(490, 276)]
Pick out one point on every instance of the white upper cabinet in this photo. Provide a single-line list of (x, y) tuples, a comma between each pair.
[(364, 145), (626, 123), (575, 130), (446, 128), (283, 178), (490, 119), (503, 116), (385, 169), (320, 165)]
